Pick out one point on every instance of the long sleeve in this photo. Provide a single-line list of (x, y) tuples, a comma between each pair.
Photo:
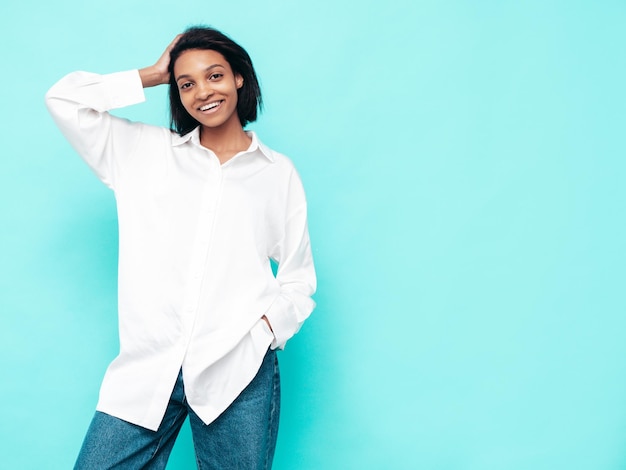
[(79, 103), (296, 271)]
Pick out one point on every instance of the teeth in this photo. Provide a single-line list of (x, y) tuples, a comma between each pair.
[(206, 107)]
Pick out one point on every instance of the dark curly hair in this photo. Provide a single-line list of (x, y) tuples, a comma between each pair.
[(249, 100)]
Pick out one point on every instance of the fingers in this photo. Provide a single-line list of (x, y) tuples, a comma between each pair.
[(168, 49), (164, 61), (165, 57), (173, 43), (158, 74)]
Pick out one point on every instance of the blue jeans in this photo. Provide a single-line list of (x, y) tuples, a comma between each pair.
[(242, 437)]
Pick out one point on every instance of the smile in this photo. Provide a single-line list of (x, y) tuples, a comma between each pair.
[(210, 106)]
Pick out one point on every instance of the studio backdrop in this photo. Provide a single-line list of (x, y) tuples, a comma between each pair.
[(464, 163)]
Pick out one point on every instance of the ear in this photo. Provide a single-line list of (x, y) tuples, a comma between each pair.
[(238, 81)]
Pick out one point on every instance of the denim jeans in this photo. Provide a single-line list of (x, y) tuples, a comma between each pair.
[(242, 437)]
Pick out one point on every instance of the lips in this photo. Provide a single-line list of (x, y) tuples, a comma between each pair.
[(209, 107)]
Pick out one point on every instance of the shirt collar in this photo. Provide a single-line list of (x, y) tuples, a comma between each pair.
[(194, 137)]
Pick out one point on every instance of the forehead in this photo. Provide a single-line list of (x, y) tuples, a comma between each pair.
[(198, 60)]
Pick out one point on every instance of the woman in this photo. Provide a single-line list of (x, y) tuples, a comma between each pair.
[(202, 210)]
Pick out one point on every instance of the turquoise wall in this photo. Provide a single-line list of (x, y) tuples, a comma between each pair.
[(465, 167)]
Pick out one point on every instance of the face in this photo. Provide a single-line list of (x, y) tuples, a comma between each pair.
[(208, 87)]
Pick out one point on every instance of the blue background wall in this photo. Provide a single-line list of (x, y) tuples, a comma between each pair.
[(464, 163)]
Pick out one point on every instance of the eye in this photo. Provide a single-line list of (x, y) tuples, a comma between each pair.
[(185, 85), (216, 76)]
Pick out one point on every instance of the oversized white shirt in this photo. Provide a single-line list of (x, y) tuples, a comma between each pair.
[(195, 243)]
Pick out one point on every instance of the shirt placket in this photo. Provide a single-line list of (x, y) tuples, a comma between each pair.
[(211, 195)]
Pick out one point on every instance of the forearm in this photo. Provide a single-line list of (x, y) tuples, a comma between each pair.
[(296, 277)]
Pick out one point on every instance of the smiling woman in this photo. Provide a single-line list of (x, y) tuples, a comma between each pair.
[(208, 92), (203, 210), (225, 53)]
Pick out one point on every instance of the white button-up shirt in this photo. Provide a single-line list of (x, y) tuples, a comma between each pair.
[(195, 243)]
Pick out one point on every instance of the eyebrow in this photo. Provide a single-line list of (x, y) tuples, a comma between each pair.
[(210, 67)]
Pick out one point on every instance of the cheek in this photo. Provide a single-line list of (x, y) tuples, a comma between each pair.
[(186, 101)]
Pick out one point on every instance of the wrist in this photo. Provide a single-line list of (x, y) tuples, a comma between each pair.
[(150, 76), (265, 319)]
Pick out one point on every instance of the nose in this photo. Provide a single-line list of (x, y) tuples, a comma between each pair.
[(203, 90)]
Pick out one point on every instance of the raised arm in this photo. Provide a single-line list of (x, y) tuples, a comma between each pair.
[(79, 104)]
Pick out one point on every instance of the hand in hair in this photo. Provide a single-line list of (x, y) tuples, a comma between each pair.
[(158, 74)]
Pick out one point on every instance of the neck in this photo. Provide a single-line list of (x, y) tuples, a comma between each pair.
[(225, 141)]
